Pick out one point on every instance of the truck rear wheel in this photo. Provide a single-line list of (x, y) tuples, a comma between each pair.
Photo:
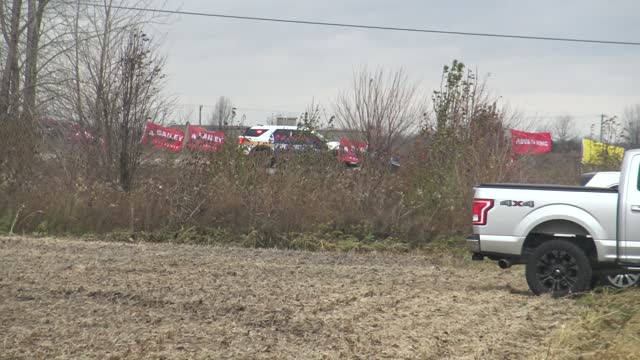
[(558, 267)]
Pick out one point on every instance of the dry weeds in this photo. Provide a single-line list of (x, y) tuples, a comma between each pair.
[(62, 298), (607, 328)]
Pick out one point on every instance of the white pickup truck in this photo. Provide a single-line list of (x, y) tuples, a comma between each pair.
[(566, 236)]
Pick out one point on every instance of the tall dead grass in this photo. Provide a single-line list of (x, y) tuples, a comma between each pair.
[(63, 184), (67, 193), (608, 328)]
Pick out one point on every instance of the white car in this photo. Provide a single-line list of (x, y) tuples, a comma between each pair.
[(603, 179), (270, 138)]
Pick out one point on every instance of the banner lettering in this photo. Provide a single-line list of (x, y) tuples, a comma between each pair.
[(201, 139), (530, 143), (162, 137)]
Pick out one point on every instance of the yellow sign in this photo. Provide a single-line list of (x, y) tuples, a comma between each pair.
[(598, 153)]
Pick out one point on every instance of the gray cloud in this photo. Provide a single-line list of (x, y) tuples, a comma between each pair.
[(283, 66)]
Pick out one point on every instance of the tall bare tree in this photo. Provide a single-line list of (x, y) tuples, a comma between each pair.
[(563, 128), (11, 73), (563, 131), (223, 112), (111, 83), (86, 62), (383, 107), (140, 75), (20, 57), (35, 14), (632, 123), (311, 118), (19, 81)]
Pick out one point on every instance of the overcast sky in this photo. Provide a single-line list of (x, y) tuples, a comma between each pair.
[(269, 67)]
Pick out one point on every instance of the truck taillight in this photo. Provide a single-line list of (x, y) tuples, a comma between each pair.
[(240, 140), (480, 209)]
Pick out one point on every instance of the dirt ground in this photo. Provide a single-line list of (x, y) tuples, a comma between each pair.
[(62, 298)]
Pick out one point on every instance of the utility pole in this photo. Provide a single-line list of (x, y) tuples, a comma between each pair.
[(601, 125), (200, 116)]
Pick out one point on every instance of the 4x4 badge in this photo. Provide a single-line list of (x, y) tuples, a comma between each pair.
[(517, 203)]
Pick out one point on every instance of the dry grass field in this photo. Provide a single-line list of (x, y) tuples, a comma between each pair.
[(74, 299)]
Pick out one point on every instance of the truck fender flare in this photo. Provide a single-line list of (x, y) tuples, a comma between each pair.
[(561, 212)]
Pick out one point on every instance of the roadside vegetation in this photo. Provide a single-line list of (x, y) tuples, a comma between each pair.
[(607, 328), (95, 69), (105, 76), (307, 203)]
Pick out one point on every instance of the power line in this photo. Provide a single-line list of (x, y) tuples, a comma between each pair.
[(537, 115), (239, 108), (560, 115), (369, 27)]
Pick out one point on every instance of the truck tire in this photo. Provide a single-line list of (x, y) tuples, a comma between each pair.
[(558, 267)]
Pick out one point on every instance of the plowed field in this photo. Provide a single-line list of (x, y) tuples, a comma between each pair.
[(66, 298)]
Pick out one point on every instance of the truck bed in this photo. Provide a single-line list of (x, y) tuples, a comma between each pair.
[(519, 209)]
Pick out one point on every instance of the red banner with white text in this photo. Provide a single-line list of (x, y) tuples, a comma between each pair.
[(162, 137), (530, 143), (349, 151), (201, 139)]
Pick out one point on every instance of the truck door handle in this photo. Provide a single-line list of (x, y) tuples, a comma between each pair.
[(635, 208)]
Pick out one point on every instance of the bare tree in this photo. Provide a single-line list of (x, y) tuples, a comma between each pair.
[(84, 62), (632, 124), (563, 128), (382, 107), (10, 74), (35, 14), (21, 58), (223, 112), (83, 55), (110, 83), (563, 131), (141, 72), (47, 51), (311, 119), (18, 83), (464, 112), (185, 113), (28, 57)]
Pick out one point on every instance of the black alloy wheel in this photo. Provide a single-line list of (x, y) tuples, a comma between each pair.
[(558, 267)]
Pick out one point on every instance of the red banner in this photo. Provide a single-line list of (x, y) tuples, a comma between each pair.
[(162, 137), (349, 150), (201, 139), (530, 143)]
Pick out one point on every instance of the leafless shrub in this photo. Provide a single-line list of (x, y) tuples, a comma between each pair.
[(383, 107), (463, 143), (563, 132)]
